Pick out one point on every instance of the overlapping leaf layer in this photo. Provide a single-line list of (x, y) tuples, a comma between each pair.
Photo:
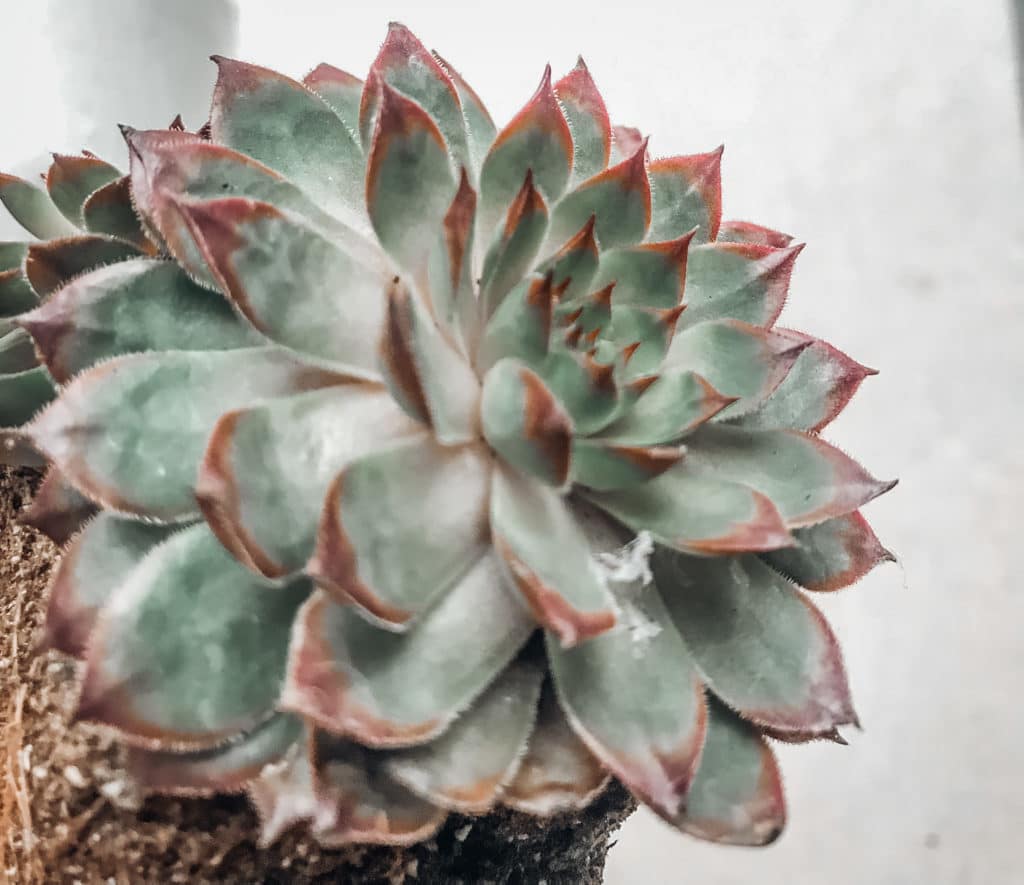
[(407, 465)]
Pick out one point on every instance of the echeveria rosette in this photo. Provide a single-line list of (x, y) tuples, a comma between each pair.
[(421, 467)]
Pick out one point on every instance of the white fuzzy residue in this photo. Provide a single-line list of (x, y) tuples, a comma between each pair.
[(626, 572)]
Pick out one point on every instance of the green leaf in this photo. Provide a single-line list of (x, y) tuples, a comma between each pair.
[(520, 327), (12, 255), (537, 138), (514, 246), (698, 513), (17, 353), (71, 180), (293, 284), (353, 678), (634, 695), (480, 128), (818, 387), (736, 797), (808, 480), (95, 564), (359, 802), (23, 395), (763, 648), (376, 550), (405, 65), (340, 89), (219, 770), (831, 555), (524, 422), (737, 359), (262, 480), (428, 377), (133, 306), (546, 557), (217, 672), (450, 281), (143, 460), (53, 264), (557, 773), (601, 465), (16, 294), (588, 120), (620, 197), (646, 331), (673, 405), (32, 208), (279, 122), (737, 281), (586, 388), (686, 193), (409, 181), (109, 210), (573, 266), (649, 275), (745, 232), (466, 768), (58, 510)]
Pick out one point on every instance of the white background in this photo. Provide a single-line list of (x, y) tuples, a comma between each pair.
[(886, 135)]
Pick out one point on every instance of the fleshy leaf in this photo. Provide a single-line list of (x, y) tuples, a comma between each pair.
[(95, 564), (515, 245), (586, 388), (738, 281), (521, 325), (546, 557), (818, 387), (57, 510), (480, 128), (353, 678), (12, 255), (620, 197), (266, 469), (409, 181), (405, 65), (133, 306), (537, 138), (359, 802), (109, 210), (340, 89), (54, 263), (224, 769), (626, 140), (686, 194), (16, 293), (737, 359), (808, 480), (143, 460), (602, 465), (634, 695), (376, 551), (524, 422), (557, 773), (669, 408), (151, 684), (573, 266), (698, 513), (23, 394), (17, 352), (763, 648), (831, 555), (280, 122), (588, 120), (450, 269), (466, 768), (72, 180), (429, 379), (745, 232), (645, 333), (293, 284), (736, 797), (651, 275), (32, 208)]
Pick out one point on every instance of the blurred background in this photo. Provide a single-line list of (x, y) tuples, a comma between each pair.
[(885, 134)]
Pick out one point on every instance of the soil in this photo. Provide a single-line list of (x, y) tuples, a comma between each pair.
[(68, 814)]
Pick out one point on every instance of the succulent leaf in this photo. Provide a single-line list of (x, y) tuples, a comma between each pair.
[(546, 558), (467, 767), (745, 232), (70, 181), (603, 465), (650, 275), (480, 128), (761, 645), (23, 394), (450, 270), (109, 210), (352, 678), (16, 352), (58, 510), (573, 266), (150, 684), (16, 293), (54, 263), (340, 89), (686, 193), (12, 255), (588, 120), (367, 518), (32, 208)]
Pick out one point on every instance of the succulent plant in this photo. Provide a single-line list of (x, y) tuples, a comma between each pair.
[(414, 466)]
